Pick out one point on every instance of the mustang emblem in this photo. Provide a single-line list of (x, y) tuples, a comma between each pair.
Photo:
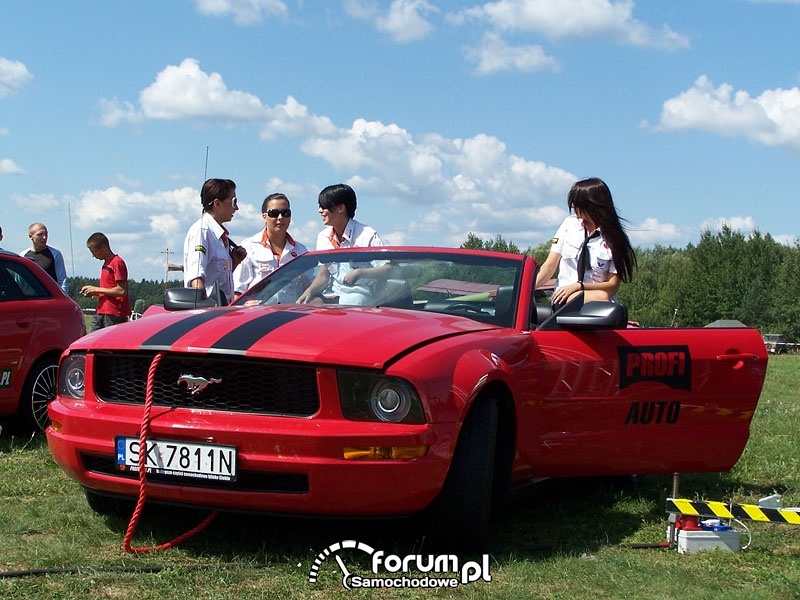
[(197, 384)]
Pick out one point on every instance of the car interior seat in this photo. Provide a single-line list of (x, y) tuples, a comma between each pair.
[(395, 291), (504, 306)]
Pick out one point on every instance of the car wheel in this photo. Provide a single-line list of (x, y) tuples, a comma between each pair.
[(459, 517), (37, 393), (109, 505)]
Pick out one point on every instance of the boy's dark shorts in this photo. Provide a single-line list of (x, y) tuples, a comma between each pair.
[(103, 321)]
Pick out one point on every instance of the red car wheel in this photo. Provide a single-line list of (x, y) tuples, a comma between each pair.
[(38, 392), (459, 517)]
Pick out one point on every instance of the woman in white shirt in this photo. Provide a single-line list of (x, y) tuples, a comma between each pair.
[(270, 248), (209, 257), (337, 207), (591, 250)]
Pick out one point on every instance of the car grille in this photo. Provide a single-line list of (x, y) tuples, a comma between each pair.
[(246, 481), (246, 385)]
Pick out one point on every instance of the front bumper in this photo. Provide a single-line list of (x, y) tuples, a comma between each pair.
[(285, 464)]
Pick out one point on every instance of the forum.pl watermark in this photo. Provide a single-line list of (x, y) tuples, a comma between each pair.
[(409, 571)]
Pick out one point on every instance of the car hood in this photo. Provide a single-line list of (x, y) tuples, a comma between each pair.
[(360, 337)]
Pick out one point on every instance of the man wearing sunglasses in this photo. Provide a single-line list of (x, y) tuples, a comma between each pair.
[(270, 248)]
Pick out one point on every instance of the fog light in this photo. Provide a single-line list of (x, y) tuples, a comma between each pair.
[(385, 452)]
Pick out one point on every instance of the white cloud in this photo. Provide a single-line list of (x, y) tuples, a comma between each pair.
[(137, 212), (114, 112), (165, 225), (13, 75), (140, 226), (494, 55), (367, 144), (459, 185), (9, 167), (361, 9), (787, 239), (570, 19), (244, 12), (43, 203), (770, 119), (292, 119), (470, 184), (446, 186), (744, 225), (405, 20), (652, 231), (186, 92), (133, 183)]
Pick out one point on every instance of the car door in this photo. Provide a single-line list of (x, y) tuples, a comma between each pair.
[(638, 401)]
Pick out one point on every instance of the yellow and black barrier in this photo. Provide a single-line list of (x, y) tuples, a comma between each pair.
[(721, 510)]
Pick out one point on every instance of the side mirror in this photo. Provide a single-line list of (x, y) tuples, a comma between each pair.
[(546, 317), (595, 315), (191, 298)]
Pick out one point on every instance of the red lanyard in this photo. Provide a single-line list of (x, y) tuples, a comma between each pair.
[(334, 240)]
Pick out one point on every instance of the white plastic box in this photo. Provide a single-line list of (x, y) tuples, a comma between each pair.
[(689, 542)]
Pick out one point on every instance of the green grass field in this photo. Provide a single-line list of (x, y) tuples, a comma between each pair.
[(570, 539)]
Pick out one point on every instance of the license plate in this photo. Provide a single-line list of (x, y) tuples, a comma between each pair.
[(198, 461)]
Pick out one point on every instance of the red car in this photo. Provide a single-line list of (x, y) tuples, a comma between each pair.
[(439, 387), (37, 323)]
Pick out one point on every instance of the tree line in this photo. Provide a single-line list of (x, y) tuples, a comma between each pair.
[(726, 275)]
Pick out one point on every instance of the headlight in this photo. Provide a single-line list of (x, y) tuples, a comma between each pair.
[(72, 376), (369, 396)]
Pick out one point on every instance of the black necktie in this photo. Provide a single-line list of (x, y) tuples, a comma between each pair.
[(583, 258)]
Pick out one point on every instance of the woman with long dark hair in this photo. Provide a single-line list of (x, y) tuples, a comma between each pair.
[(590, 250)]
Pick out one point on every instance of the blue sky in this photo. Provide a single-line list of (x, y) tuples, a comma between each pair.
[(445, 117)]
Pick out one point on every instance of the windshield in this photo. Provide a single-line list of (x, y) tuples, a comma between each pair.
[(481, 287)]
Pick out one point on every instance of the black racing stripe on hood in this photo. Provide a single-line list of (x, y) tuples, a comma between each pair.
[(244, 336), (172, 333)]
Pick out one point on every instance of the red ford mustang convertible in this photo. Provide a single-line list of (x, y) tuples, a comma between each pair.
[(420, 379)]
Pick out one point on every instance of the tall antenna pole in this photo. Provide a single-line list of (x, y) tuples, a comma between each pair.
[(71, 251), (205, 171)]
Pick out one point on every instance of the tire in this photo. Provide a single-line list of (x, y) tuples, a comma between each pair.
[(459, 517), (37, 393)]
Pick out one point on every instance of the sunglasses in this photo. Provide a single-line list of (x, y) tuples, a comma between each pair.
[(274, 213)]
